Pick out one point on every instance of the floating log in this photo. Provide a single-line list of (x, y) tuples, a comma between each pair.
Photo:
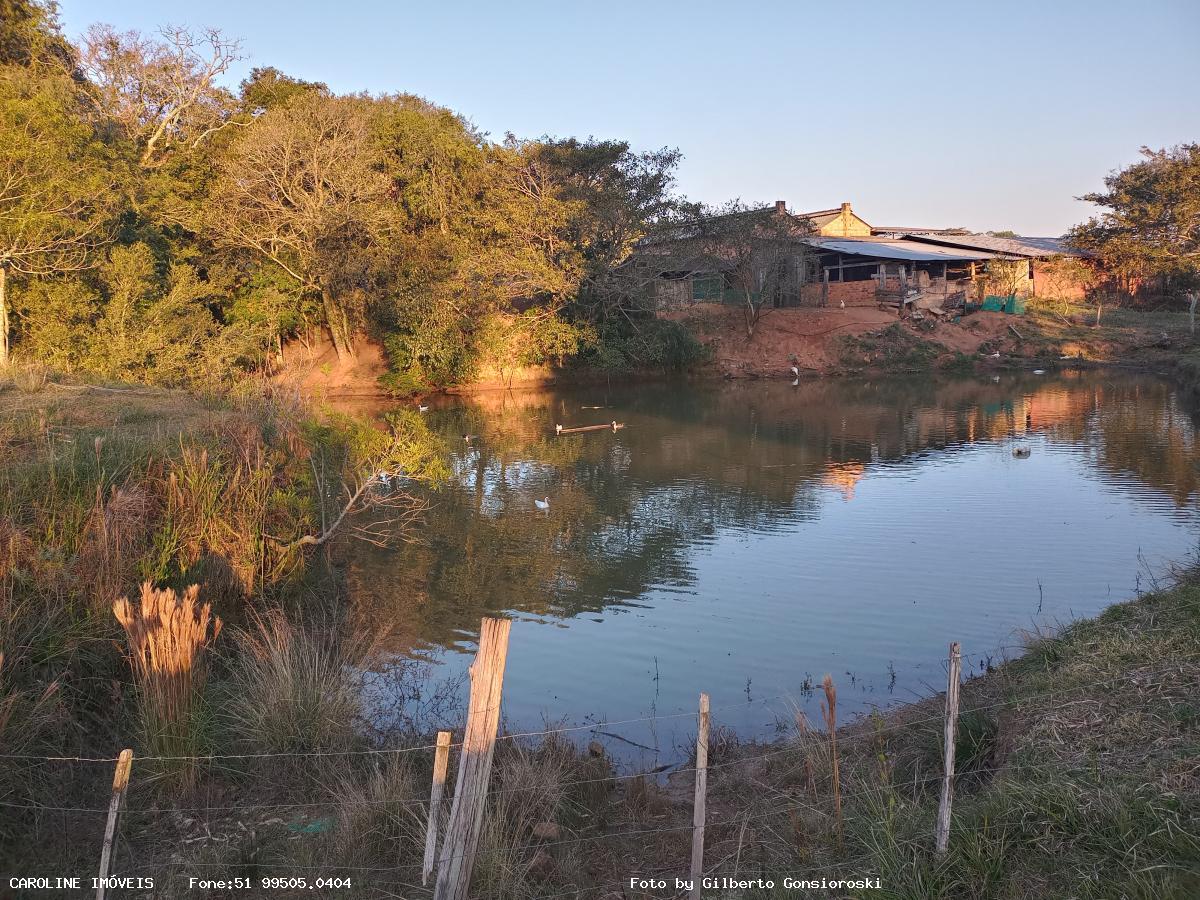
[(611, 426)]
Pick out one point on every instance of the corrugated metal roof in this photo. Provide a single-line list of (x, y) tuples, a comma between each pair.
[(1018, 246), (895, 248)]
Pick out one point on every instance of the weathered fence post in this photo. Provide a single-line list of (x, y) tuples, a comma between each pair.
[(120, 783), (697, 871), (951, 735), (475, 764), (441, 760)]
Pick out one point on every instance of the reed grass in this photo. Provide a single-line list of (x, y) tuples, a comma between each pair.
[(294, 690), (829, 712), (168, 636)]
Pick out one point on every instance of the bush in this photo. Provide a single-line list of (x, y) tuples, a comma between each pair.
[(292, 691), (645, 344)]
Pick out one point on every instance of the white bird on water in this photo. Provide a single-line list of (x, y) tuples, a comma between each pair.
[(421, 408), (542, 504), (795, 372)]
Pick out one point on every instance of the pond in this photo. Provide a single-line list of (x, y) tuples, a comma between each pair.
[(745, 538)]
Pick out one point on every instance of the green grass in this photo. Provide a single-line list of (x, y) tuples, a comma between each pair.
[(1077, 772), (893, 349)]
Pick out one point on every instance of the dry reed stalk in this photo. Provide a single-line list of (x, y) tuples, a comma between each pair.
[(113, 537), (216, 506), (168, 636), (829, 711)]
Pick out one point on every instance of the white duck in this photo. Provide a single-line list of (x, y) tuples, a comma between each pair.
[(795, 371), (421, 408), (542, 504)]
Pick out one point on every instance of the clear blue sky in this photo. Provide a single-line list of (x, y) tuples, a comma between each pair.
[(989, 116)]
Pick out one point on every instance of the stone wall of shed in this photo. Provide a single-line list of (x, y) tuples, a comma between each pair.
[(845, 224), (1060, 280), (848, 293)]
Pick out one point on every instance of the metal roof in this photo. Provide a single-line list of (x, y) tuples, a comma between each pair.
[(913, 229), (1017, 246), (895, 248)]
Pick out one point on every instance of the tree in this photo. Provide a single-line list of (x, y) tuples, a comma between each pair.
[(30, 36), (159, 93), (55, 186), (267, 88), (301, 188), (1151, 220), (480, 254), (618, 197), (751, 255)]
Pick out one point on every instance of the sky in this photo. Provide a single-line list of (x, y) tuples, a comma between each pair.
[(987, 116)]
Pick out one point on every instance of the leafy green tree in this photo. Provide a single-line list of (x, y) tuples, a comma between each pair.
[(1150, 225), (267, 87), (435, 161), (618, 198), (30, 36), (55, 183), (480, 248)]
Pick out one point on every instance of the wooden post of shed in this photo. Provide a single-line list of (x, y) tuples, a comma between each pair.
[(701, 798), (115, 804), (475, 764), (441, 759), (825, 288), (951, 735)]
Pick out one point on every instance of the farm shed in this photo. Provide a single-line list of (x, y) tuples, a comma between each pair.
[(866, 271), (1053, 268)]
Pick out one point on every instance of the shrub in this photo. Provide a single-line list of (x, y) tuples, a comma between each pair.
[(292, 691)]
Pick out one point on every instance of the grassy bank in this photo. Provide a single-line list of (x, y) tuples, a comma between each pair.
[(229, 503)]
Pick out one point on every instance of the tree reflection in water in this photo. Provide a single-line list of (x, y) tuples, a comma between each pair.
[(648, 513)]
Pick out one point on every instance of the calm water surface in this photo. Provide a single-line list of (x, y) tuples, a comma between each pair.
[(745, 538)]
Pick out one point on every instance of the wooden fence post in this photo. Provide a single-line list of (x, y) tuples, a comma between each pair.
[(475, 764), (951, 735), (697, 871), (441, 760), (120, 783)]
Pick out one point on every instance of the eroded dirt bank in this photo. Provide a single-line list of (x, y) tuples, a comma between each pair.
[(823, 342)]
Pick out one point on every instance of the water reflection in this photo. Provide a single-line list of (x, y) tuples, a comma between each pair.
[(737, 537)]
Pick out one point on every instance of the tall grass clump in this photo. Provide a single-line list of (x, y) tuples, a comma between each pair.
[(28, 714), (293, 690), (114, 537), (380, 817), (168, 637)]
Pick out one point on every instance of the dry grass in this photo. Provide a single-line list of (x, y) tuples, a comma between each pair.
[(168, 636), (295, 690), (115, 538), (379, 822)]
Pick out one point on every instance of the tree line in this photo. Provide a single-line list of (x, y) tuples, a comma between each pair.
[(158, 226)]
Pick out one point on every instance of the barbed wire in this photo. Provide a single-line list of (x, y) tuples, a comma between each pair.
[(1104, 757), (377, 752)]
